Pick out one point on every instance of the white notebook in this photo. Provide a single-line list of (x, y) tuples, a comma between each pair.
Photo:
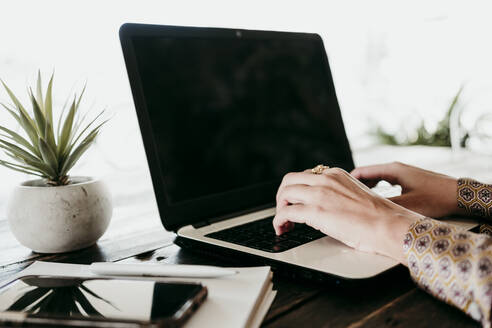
[(241, 300)]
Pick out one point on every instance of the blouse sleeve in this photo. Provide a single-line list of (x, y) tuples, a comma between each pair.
[(455, 266), (475, 197)]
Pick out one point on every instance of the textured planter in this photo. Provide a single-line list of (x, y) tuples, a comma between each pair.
[(59, 219)]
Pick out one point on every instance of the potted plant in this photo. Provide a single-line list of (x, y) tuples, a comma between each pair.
[(56, 212)]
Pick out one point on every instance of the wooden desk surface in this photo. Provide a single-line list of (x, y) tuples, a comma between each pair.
[(136, 235), (392, 301)]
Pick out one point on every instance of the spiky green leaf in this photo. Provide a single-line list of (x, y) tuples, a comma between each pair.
[(24, 158), (20, 140), (26, 126), (23, 163), (39, 92), (64, 108), (81, 149), (42, 167), (39, 166), (17, 103), (74, 142), (39, 116), (14, 114), (48, 102), (36, 165), (49, 156), (29, 128), (19, 168), (81, 95), (50, 137), (78, 120), (453, 105), (17, 150), (64, 137)]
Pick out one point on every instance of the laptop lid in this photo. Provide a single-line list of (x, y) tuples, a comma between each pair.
[(226, 113)]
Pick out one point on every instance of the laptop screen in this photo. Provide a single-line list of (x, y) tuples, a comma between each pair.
[(234, 114)]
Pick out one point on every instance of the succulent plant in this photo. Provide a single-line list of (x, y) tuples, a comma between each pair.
[(44, 151)]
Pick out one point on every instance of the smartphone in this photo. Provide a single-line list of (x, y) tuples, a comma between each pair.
[(67, 302)]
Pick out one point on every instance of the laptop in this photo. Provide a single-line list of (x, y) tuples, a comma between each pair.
[(224, 115)]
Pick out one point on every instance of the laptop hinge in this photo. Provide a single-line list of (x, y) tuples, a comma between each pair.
[(207, 222)]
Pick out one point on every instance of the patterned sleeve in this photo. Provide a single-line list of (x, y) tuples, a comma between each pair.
[(454, 266), (475, 197)]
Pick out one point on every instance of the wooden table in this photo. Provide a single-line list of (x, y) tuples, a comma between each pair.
[(135, 235), (391, 301)]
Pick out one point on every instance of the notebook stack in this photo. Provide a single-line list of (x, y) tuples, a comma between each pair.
[(240, 300)]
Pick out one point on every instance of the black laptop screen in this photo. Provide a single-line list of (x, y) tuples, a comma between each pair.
[(235, 113)]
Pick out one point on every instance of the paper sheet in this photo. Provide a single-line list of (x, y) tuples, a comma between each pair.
[(263, 309), (230, 300)]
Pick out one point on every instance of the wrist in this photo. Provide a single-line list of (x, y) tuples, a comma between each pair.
[(449, 199), (396, 229)]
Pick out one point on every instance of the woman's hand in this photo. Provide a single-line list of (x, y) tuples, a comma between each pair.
[(425, 192), (345, 209)]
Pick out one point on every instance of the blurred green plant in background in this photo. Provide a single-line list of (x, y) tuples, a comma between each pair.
[(441, 137)]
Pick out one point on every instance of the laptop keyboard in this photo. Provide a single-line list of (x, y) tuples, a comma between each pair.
[(261, 235)]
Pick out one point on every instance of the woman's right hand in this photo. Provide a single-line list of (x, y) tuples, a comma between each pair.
[(425, 192)]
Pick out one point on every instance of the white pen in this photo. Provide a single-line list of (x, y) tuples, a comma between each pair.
[(159, 270)]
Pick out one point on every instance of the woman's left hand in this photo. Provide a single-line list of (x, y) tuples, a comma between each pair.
[(345, 209)]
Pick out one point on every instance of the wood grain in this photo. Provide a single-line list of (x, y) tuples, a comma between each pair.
[(340, 306), (416, 309)]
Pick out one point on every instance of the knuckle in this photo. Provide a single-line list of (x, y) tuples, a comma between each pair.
[(318, 210), (325, 178), (289, 175), (279, 191), (280, 194), (284, 179), (337, 170)]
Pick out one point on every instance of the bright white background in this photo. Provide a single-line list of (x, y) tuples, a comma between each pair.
[(394, 62)]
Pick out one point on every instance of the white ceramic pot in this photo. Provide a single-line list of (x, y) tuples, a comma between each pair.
[(59, 219)]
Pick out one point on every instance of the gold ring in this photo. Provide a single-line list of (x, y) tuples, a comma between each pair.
[(318, 169)]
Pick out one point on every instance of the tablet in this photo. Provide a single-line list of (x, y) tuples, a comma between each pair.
[(42, 301)]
